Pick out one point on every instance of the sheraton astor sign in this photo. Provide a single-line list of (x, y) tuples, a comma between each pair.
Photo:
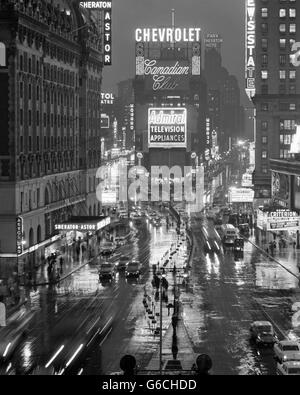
[(166, 75), (167, 127)]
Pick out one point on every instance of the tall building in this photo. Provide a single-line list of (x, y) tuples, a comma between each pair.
[(50, 81), (272, 82), (225, 111), (126, 112)]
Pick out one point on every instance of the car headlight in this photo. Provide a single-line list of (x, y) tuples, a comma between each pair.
[(284, 358), (258, 337)]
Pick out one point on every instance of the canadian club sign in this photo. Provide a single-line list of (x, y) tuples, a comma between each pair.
[(166, 75), (167, 127)]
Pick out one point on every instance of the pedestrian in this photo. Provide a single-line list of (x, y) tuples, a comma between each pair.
[(294, 244), (61, 262)]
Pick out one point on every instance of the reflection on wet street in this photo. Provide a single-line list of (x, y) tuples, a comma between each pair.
[(84, 326)]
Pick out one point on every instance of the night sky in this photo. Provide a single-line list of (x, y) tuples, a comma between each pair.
[(212, 16)]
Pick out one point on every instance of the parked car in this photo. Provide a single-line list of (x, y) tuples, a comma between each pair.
[(289, 368), (122, 263), (262, 332), (107, 271), (133, 269), (287, 350)]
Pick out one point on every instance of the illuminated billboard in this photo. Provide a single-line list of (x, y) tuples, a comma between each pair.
[(166, 74), (167, 127), (107, 98), (168, 34), (241, 195), (250, 48), (95, 5)]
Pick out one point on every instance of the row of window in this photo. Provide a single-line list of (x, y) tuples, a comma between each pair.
[(282, 89), (65, 142), (284, 124), (283, 12), (283, 60), (283, 74), (282, 43), (282, 107), (52, 120)]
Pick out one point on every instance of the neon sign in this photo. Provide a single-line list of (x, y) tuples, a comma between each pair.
[(250, 48), (168, 35), (167, 127)]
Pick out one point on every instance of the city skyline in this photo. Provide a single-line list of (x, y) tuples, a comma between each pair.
[(130, 14)]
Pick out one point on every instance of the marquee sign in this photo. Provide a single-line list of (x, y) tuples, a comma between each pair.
[(85, 226), (166, 75), (167, 127), (168, 34), (107, 98), (250, 48)]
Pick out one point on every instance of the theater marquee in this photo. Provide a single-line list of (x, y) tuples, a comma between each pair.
[(167, 127)]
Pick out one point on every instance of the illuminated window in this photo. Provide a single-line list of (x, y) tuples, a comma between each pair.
[(293, 28), (282, 74), (2, 55), (264, 154), (292, 74), (264, 43), (264, 13), (264, 74), (292, 13), (282, 28), (264, 140), (282, 12), (292, 107), (282, 43)]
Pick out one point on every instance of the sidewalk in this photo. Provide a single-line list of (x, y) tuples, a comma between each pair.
[(185, 357)]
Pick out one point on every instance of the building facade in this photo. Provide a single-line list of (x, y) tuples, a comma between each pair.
[(50, 79), (273, 82)]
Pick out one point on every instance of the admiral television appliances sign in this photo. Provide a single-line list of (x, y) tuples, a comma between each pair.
[(167, 127)]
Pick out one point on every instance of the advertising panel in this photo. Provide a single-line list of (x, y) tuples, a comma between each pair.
[(109, 197), (280, 220), (107, 38), (166, 74), (241, 195), (281, 189), (213, 40), (250, 48), (168, 34), (167, 127), (297, 192)]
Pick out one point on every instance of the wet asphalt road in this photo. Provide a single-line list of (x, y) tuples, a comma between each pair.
[(63, 314), (224, 296)]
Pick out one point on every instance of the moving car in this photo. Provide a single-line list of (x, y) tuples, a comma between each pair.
[(133, 269), (262, 332), (107, 271), (287, 350), (289, 368), (229, 234), (107, 248), (120, 240), (122, 263)]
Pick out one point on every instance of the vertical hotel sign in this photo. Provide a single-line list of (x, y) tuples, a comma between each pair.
[(105, 6), (250, 48), (19, 235)]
